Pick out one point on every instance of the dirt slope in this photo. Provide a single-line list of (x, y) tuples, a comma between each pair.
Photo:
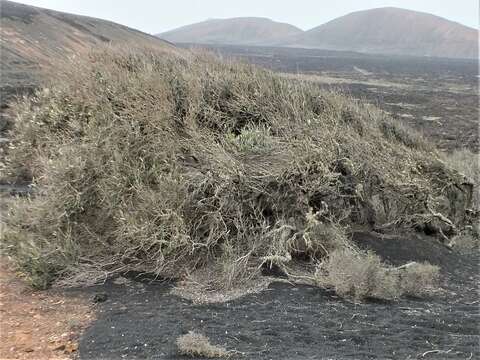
[(33, 38), (392, 31), (240, 31)]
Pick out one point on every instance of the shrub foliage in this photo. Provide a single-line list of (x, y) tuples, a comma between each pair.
[(362, 275), (161, 163), (193, 344)]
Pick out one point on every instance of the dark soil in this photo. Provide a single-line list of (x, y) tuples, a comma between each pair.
[(142, 320)]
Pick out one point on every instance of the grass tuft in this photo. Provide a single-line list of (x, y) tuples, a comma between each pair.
[(362, 275), (193, 344), (358, 275), (418, 279)]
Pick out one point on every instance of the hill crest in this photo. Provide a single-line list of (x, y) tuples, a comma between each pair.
[(392, 31), (234, 31), (35, 38), (386, 30)]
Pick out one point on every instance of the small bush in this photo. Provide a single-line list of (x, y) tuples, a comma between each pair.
[(362, 275), (358, 275), (323, 237), (193, 344), (253, 140), (417, 279), (468, 239)]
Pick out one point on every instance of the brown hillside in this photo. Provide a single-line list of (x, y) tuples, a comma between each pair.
[(393, 31), (33, 38), (238, 31)]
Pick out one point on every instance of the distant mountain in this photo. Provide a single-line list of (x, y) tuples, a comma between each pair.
[(33, 38), (387, 30), (236, 31), (392, 31)]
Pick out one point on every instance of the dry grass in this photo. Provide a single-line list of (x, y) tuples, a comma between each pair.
[(150, 162), (358, 275), (193, 344), (468, 239), (418, 279), (203, 287), (468, 163)]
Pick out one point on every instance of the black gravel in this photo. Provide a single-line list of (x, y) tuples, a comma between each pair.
[(142, 320)]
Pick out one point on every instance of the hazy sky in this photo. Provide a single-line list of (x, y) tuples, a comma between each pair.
[(157, 16)]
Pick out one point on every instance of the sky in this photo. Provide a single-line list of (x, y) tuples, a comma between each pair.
[(156, 16)]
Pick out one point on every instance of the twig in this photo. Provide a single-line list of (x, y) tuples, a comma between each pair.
[(436, 352)]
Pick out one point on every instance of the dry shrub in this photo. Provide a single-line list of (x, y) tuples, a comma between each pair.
[(165, 164), (193, 344), (468, 239), (468, 163), (358, 275), (417, 279), (322, 236)]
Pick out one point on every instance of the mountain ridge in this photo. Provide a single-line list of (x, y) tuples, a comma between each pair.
[(392, 31), (386, 30), (238, 30)]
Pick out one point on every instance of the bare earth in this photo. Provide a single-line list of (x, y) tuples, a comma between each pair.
[(38, 324)]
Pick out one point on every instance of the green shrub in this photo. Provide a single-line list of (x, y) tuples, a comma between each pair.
[(251, 140)]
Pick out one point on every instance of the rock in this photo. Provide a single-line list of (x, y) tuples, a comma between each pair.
[(71, 347), (100, 297), (59, 347)]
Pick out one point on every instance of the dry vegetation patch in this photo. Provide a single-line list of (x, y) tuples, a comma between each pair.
[(203, 287), (358, 275), (362, 275), (194, 344), (164, 164), (418, 279), (468, 163)]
